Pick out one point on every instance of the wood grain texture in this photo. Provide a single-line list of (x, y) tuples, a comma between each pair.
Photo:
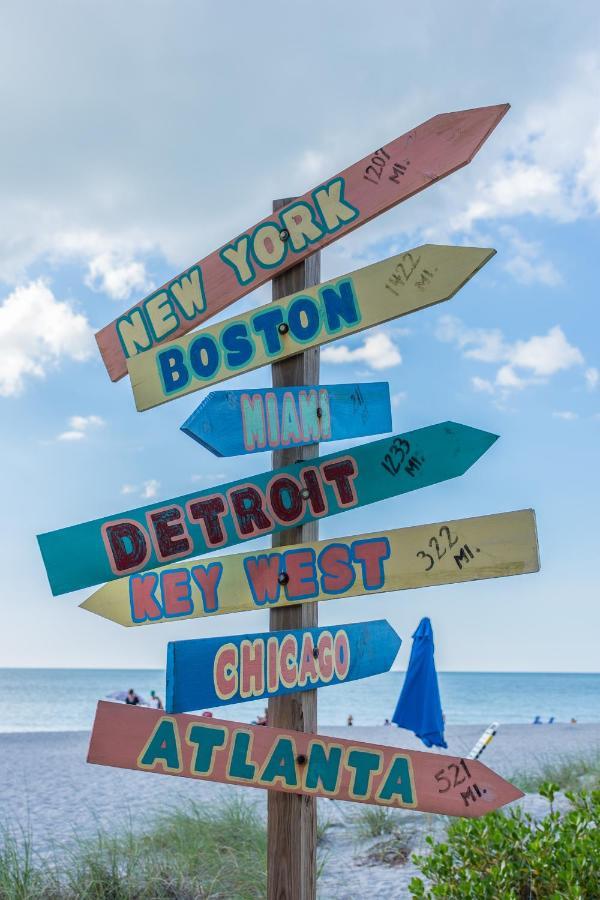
[(235, 423), (292, 818), (405, 166), (420, 556), (137, 539), (293, 763), (395, 287)]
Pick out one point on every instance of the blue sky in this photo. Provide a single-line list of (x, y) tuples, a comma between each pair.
[(141, 138)]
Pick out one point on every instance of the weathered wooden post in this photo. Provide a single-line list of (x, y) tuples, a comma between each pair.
[(292, 818)]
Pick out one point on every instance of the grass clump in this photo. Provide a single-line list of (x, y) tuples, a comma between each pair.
[(199, 853), (571, 773), (375, 821), (20, 877), (515, 857)]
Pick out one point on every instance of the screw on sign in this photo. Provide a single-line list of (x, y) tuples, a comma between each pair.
[(146, 537), (218, 671), (302, 320), (230, 423), (396, 171), (401, 559), (294, 762)]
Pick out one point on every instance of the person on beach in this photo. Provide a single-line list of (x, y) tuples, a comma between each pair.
[(132, 698), (155, 700), (350, 720)]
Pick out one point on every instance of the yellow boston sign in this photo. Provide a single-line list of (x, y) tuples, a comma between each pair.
[(414, 280)]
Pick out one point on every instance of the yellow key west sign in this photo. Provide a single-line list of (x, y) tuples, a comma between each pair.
[(395, 287), (442, 553)]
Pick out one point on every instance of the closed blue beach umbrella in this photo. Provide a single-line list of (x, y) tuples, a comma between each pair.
[(419, 708)]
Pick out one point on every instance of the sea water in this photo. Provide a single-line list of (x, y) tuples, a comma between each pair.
[(65, 699)]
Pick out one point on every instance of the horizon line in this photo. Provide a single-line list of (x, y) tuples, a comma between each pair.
[(162, 669)]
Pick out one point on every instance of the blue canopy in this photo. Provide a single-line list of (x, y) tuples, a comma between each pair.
[(419, 708)]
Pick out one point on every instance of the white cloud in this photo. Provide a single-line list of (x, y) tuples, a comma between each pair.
[(482, 385), (567, 415), (150, 489), (526, 262), (117, 277), (130, 183), (524, 362), (592, 377), (71, 436), (398, 398), (147, 490), (378, 351), (213, 478), (37, 331), (79, 427), (546, 354)]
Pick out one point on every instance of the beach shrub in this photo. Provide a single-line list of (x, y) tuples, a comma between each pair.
[(515, 857)]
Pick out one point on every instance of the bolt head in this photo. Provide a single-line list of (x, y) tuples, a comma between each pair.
[(283, 328)]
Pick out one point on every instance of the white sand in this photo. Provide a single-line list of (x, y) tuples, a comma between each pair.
[(47, 786)]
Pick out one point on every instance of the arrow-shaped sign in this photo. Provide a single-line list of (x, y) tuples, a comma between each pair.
[(147, 740), (318, 315), (447, 552), (223, 670), (149, 536), (389, 175), (231, 423)]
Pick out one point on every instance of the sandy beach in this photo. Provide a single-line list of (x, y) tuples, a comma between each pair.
[(48, 788)]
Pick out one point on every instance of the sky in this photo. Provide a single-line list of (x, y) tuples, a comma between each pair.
[(140, 137)]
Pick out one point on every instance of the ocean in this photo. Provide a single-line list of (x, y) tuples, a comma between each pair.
[(65, 699)]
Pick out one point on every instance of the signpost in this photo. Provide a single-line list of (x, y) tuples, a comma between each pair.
[(231, 423), (293, 762), (291, 818), (381, 180), (448, 552), (192, 524), (142, 553), (306, 318), (218, 671)]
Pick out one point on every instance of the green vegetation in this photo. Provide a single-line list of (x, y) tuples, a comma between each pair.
[(516, 858), (572, 773), (200, 853), (374, 821)]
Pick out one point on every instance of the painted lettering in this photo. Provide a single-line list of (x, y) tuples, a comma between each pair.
[(189, 292), (142, 597), (176, 593), (334, 209), (205, 739), (253, 421), (162, 749), (225, 671), (207, 578), (236, 256), (127, 545)]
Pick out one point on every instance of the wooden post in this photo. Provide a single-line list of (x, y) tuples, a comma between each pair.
[(292, 818)]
